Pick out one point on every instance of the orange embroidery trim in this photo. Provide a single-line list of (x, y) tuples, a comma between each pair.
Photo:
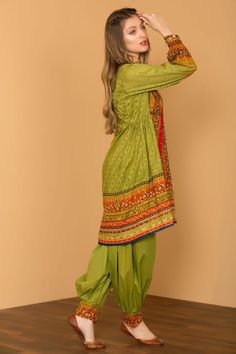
[(133, 320), (87, 312)]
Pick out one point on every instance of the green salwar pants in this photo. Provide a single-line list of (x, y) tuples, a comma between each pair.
[(127, 269)]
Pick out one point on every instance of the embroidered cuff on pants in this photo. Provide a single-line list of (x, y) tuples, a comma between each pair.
[(87, 311), (133, 320)]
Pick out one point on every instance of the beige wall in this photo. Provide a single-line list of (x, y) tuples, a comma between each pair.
[(53, 144)]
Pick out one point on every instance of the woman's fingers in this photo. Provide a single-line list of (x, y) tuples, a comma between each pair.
[(155, 21), (144, 18)]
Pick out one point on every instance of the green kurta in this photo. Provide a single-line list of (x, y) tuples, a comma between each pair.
[(138, 197)]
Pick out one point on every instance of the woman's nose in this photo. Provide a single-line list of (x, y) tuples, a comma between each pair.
[(143, 33)]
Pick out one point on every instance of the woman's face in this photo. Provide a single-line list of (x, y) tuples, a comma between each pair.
[(134, 33)]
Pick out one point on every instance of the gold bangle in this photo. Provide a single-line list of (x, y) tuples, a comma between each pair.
[(169, 36)]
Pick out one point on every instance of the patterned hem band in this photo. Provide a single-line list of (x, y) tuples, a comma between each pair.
[(87, 312), (133, 320)]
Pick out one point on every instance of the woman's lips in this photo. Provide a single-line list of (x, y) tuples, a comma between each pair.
[(143, 43)]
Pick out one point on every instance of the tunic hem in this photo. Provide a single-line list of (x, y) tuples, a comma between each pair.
[(138, 238)]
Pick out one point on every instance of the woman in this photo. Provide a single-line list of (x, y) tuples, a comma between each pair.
[(137, 191)]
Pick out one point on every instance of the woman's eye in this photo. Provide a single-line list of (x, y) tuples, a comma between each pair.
[(134, 30)]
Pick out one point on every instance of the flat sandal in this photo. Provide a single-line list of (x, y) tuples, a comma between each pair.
[(154, 341), (88, 344)]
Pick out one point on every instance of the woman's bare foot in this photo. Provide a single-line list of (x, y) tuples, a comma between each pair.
[(141, 331)]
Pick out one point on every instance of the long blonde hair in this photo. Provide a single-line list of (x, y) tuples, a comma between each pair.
[(115, 55)]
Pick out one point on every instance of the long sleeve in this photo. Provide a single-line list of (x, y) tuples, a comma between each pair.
[(139, 77)]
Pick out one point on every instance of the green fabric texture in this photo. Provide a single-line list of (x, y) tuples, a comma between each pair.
[(127, 269), (133, 161), (140, 78), (133, 156)]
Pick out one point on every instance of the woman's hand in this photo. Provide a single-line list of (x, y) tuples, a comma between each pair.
[(156, 22)]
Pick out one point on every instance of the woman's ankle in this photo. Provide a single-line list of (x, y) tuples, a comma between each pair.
[(84, 321)]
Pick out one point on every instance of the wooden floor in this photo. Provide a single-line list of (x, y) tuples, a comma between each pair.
[(187, 327)]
